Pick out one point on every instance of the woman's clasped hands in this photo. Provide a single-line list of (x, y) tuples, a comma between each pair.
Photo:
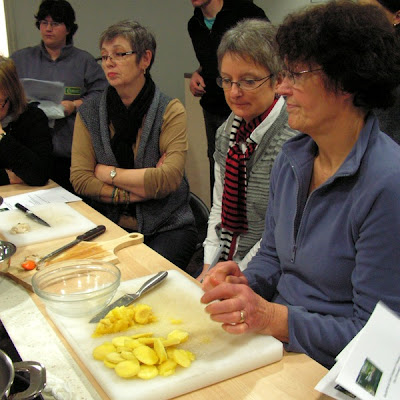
[(232, 302)]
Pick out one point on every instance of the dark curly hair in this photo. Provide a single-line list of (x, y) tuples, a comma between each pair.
[(354, 44), (59, 11)]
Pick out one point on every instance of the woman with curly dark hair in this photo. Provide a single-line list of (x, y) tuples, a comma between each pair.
[(329, 251)]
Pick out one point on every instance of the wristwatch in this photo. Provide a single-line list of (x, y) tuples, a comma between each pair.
[(113, 174)]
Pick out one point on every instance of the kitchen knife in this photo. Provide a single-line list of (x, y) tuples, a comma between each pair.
[(89, 235), (31, 215), (130, 298)]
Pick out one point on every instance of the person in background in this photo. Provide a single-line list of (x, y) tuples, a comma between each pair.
[(329, 250), (211, 19), (25, 139), (129, 148), (247, 143), (389, 118), (57, 59)]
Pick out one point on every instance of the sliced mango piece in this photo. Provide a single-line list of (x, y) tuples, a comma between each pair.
[(132, 343), (170, 342), (178, 334), (128, 355), (181, 357), (140, 335), (119, 341), (114, 357), (143, 314), (127, 369), (160, 351), (146, 355), (109, 364), (101, 351), (148, 372), (167, 368)]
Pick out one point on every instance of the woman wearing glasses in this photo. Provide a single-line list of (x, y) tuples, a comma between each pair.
[(57, 59), (25, 140), (247, 143), (129, 148), (330, 246)]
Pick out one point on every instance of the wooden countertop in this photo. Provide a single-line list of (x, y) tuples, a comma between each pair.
[(294, 377)]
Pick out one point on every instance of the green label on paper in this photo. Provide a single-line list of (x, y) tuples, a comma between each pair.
[(73, 91)]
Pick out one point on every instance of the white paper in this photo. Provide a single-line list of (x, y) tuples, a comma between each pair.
[(369, 366), (37, 90), (48, 96), (45, 196)]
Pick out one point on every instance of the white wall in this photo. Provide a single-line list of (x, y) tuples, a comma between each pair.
[(167, 19)]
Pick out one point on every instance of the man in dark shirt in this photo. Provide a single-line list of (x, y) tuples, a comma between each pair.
[(211, 19)]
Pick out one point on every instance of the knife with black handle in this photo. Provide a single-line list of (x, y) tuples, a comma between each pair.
[(31, 215), (89, 235)]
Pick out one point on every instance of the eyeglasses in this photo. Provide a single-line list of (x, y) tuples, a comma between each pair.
[(53, 24), (245, 84), (115, 57), (292, 76), (4, 103)]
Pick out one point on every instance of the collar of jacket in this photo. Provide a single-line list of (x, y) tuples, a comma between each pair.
[(65, 51), (292, 149)]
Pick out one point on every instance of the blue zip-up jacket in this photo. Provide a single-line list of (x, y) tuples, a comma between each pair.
[(332, 255)]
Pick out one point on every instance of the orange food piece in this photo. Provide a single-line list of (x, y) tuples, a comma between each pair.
[(29, 265)]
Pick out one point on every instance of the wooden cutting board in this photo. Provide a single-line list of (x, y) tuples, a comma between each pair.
[(104, 251), (219, 355), (64, 221)]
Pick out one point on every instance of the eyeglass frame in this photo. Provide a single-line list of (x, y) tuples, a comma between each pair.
[(53, 24), (5, 102), (220, 79), (112, 56), (291, 75)]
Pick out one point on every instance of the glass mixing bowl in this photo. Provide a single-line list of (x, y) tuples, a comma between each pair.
[(77, 288), (7, 249)]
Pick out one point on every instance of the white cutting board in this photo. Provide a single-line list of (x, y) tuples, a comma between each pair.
[(219, 355), (64, 221)]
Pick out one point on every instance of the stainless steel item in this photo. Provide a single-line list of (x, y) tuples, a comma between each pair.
[(89, 235), (31, 215), (7, 249), (130, 298), (37, 376)]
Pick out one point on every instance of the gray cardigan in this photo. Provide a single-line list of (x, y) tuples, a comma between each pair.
[(153, 215), (258, 174)]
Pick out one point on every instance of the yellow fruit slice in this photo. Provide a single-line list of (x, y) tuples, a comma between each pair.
[(128, 355), (170, 342), (143, 314), (132, 343), (127, 369), (146, 355), (109, 364), (114, 357), (119, 341), (148, 372), (101, 351), (182, 336), (160, 351), (140, 335), (167, 368), (181, 357)]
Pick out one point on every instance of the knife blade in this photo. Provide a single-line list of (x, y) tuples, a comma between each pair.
[(89, 235), (130, 298), (31, 215)]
